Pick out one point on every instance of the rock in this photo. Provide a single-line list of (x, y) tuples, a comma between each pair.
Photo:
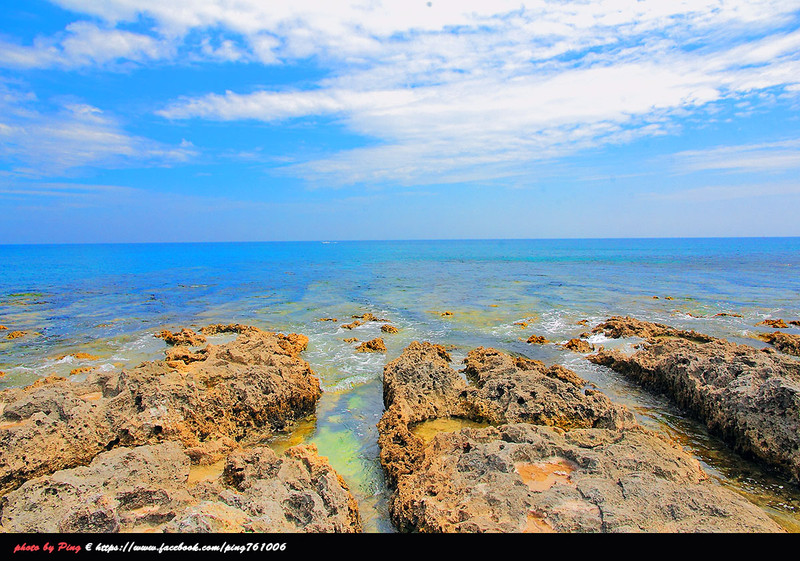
[(620, 327), (537, 340), (582, 322), (369, 317), (80, 356), (236, 392), (372, 346), (446, 314), (81, 370), (328, 319), (146, 488), (522, 324), (16, 334), (386, 328), (603, 474), (3, 328), (784, 342), (750, 398), (218, 328), (118, 490), (795, 322), (261, 492), (774, 323), (420, 385), (351, 340), (727, 314), (527, 478), (356, 323), (579, 346), (185, 337)]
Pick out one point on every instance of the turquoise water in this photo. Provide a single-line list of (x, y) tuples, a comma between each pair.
[(108, 300)]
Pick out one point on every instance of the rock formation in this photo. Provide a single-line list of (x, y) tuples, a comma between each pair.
[(146, 489), (558, 456), (372, 346), (748, 397), (785, 342), (211, 402), (183, 337)]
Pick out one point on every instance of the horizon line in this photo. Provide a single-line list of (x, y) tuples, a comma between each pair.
[(399, 240)]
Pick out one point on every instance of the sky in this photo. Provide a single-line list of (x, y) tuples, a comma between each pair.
[(246, 120)]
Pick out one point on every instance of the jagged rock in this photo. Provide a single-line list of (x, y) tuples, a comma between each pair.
[(784, 342), (370, 317), (185, 337), (795, 322), (620, 327), (774, 323), (603, 474), (146, 487), (218, 328), (239, 391), (386, 328), (420, 385), (537, 340), (579, 346), (372, 346), (748, 397), (261, 492)]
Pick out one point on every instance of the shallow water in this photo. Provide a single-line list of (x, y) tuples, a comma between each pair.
[(108, 300)]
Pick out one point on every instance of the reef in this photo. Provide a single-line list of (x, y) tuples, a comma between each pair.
[(748, 397), (556, 456)]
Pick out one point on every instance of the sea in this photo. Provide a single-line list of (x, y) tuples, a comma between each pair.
[(109, 299)]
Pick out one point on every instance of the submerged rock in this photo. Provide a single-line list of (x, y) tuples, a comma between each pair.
[(748, 397), (579, 346), (537, 340), (230, 394), (784, 342), (372, 346), (774, 323), (146, 488), (527, 473)]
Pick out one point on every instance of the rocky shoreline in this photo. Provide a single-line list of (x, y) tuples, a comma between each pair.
[(506, 444), (748, 397), (557, 456), (113, 453)]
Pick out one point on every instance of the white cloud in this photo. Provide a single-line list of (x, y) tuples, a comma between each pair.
[(39, 142), (453, 88), (83, 44), (770, 156)]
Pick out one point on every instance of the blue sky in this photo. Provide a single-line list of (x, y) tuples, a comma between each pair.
[(239, 120)]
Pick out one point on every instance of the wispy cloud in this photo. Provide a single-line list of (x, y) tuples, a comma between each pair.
[(37, 142), (770, 156), (446, 90)]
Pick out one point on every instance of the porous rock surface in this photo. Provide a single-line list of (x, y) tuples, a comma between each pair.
[(748, 397), (557, 456), (146, 489), (211, 402)]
